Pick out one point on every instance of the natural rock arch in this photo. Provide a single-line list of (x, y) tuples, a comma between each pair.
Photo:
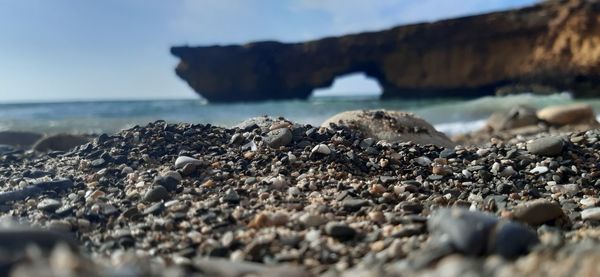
[(544, 48), (351, 84)]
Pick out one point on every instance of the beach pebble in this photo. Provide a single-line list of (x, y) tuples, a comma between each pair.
[(156, 193), (589, 202), (423, 161), (182, 161), (547, 146), (340, 231), (570, 189), (49, 205), (312, 220), (539, 170), (321, 149), (168, 182), (278, 137), (538, 211), (470, 233), (591, 214)]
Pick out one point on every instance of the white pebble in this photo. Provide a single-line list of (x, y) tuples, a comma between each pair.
[(321, 149), (591, 214)]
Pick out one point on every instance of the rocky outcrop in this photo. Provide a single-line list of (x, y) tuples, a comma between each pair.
[(553, 46)]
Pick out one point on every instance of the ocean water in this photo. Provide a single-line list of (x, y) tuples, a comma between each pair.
[(451, 116)]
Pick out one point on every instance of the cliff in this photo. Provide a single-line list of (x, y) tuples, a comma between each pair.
[(548, 47)]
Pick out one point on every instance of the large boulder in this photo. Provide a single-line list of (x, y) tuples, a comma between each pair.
[(60, 142), (19, 138), (392, 126), (519, 116), (571, 114)]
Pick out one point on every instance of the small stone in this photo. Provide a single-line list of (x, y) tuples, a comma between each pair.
[(470, 232), (312, 220), (98, 162), (377, 217), (278, 137), (548, 146), (321, 149), (168, 182), (591, 214), (423, 161), (279, 219), (366, 143), (156, 193), (570, 189), (538, 211), (155, 208), (237, 138), (589, 202), (508, 172), (539, 170), (353, 205), (259, 221), (340, 231), (231, 197), (278, 182), (49, 205), (181, 161)]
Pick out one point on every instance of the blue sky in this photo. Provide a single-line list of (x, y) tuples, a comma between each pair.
[(55, 50)]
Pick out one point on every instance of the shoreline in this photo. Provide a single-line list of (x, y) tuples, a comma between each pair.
[(193, 198)]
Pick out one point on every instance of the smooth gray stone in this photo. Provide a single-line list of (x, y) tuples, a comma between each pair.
[(548, 146), (278, 137), (466, 230)]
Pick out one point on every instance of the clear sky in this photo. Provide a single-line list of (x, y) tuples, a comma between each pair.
[(54, 50)]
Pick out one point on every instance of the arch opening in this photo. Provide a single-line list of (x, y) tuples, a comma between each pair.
[(351, 85)]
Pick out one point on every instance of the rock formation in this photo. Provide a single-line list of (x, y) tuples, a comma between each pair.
[(552, 46)]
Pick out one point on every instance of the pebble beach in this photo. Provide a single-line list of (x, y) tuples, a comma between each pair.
[(271, 196)]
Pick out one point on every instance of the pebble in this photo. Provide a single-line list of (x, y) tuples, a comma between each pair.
[(156, 193), (49, 205), (538, 211), (470, 232), (340, 231), (539, 170), (591, 214), (182, 161), (547, 146), (279, 137), (312, 220), (321, 149)]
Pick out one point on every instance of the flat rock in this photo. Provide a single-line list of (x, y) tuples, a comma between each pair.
[(538, 211), (548, 146), (392, 126), (568, 114)]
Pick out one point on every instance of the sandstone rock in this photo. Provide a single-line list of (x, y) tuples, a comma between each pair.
[(543, 48), (516, 117), (538, 211), (392, 126), (17, 138), (60, 142), (568, 114)]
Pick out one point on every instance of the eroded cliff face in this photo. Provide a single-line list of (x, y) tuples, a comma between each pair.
[(548, 47)]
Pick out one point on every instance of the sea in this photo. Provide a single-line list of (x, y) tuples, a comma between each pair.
[(451, 116)]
